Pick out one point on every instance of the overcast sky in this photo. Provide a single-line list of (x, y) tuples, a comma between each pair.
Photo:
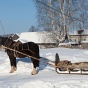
[(17, 16)]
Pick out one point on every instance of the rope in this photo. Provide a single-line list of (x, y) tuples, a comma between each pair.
[(30, 56)]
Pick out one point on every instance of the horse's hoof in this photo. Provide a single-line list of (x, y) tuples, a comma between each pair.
[(12, 71), (14, 68), (34, 72)]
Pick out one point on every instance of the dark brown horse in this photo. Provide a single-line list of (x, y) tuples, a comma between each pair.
[(29, 48)]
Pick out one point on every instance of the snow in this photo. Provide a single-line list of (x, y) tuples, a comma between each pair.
[(84, 41), (46, 77), (85, 32), (37, 37)]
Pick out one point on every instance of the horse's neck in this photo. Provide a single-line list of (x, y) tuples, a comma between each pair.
[(10, 44), (15, 44)]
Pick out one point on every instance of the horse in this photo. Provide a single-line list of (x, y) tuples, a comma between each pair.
[(25, 49)]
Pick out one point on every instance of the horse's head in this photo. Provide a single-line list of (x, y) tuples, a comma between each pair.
[(2, 40), (5, 41)]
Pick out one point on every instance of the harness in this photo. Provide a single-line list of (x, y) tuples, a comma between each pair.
[(15, 46)]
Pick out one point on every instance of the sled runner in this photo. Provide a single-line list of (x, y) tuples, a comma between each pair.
[(69, 67)]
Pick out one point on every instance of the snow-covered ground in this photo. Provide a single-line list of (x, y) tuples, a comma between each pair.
[(46, 77)]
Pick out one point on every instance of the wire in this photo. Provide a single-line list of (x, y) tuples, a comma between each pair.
[(47, 5), (2, 27), (56, 10)]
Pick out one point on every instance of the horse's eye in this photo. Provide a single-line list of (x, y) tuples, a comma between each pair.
[(10, 37)]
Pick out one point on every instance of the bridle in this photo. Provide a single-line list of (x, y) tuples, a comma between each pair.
[(7, 41)]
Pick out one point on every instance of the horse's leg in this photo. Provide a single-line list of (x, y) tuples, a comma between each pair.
[(35, 64), (12, 63)]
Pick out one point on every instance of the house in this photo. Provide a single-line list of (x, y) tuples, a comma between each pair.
[(80, 37), (43, 39)]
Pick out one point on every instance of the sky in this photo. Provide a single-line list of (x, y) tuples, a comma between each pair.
[(17, 16)]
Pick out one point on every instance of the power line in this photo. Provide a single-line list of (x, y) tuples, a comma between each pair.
[(2, 27), (56, 10), (48, 6)]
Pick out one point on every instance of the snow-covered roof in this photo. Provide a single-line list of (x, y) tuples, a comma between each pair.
[(37, 37), (85, 32)]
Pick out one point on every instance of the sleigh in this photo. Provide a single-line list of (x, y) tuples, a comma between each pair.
[(67, 67)]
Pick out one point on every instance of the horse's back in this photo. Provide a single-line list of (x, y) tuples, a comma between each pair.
[(30, 47)]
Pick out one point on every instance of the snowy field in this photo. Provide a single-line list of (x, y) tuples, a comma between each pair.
[(46, 77)]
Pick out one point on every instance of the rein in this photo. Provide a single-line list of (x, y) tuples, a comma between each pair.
[(31, 56)]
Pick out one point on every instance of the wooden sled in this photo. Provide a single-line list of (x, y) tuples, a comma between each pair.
[(67, 67)]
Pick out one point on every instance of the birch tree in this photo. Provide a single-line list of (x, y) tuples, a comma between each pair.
[(62, 15)]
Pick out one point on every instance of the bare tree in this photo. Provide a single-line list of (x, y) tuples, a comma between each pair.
[(62, 15), (33, 29)]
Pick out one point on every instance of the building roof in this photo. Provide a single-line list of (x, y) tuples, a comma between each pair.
[(37, 37), (85, 32)]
